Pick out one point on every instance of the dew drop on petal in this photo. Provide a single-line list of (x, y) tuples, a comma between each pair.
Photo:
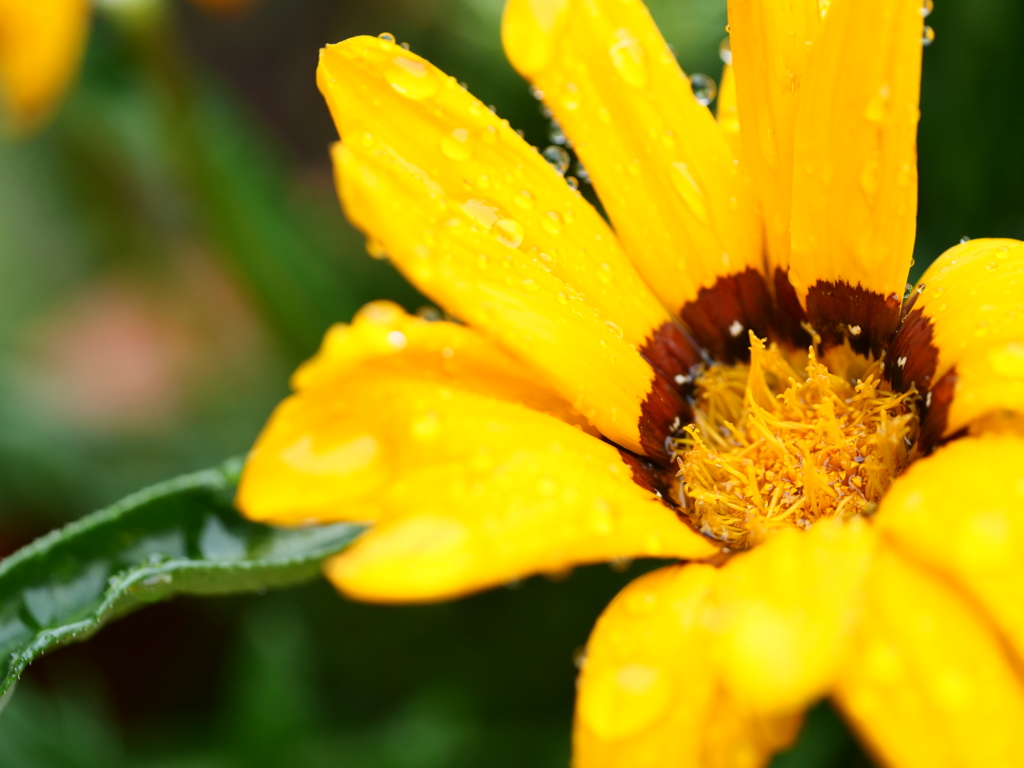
[(704, 89), (387, 37), (375, 248), (555, 133), (927, 6), (557, 157), (628, 58), (524, 199), (689, 190), (455, 145), (551, 222), (928, 36), (412, 78), (614, 328), (725, 51), (573, 182), (508, 232)]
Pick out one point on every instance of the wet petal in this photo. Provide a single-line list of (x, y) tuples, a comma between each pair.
[(855, 167), (962, 344), (789, 608), (928, 683), (327, 451), (727, 111), (661, 164), (480, 222), (770, 42), (651, 690), (41, 45), (959, 512)]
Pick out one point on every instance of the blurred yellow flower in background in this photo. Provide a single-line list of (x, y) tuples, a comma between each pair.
[(41, 47), (41, 44), (730, 373)]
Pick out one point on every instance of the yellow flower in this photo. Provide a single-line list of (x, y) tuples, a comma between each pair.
[(41, 44), (41, 47), (681, 386)]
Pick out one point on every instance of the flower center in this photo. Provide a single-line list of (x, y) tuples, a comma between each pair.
[(771, 445)]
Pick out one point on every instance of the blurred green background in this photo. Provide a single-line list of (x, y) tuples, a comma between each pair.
[(170, 247)]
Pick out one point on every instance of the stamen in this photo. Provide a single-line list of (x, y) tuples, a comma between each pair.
[(772, 446)]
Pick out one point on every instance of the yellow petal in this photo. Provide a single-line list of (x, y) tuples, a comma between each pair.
[(660, 163), (961, 342), (651, 693), (41, 45), (481, 223), (483, 492), (727, 111), (928, 683), (770, 42), (329, 451), (788, 609), (855, 164), (958, 512)]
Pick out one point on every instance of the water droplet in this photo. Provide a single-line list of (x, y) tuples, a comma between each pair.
[(536, 92), (875, 111), (991, 266), (965, 239), (387, 37), (404, 46), (366, 139), (689, 190), (573, 182), (489, 134), (375, 248), (869, 175), (397, 339), (524, 199), (455, 145), (551, 222), (508, 232), (412, 78), (581, 173), (562, 298), (529, 284), (725, 51), (928, 36), (555, 133), (557, 157), (429, 313), (628, 58), (704, 89), (604, 272), (1003, 252), (927, 6), (614, 328)]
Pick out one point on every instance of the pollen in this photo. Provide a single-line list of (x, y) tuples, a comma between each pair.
[(772, 445)]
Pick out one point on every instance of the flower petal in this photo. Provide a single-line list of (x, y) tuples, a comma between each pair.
[(789, 608), (480, 222), (496, 492), (704, 666), (855, 169), (769, 43), (727, 111), (476, 473), (327, 453), (41, 45), (661, 164), (928, 683), (958, 512), (963, 341), (651, 693)]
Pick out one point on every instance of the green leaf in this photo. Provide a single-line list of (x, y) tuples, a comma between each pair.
[(179, 537)]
